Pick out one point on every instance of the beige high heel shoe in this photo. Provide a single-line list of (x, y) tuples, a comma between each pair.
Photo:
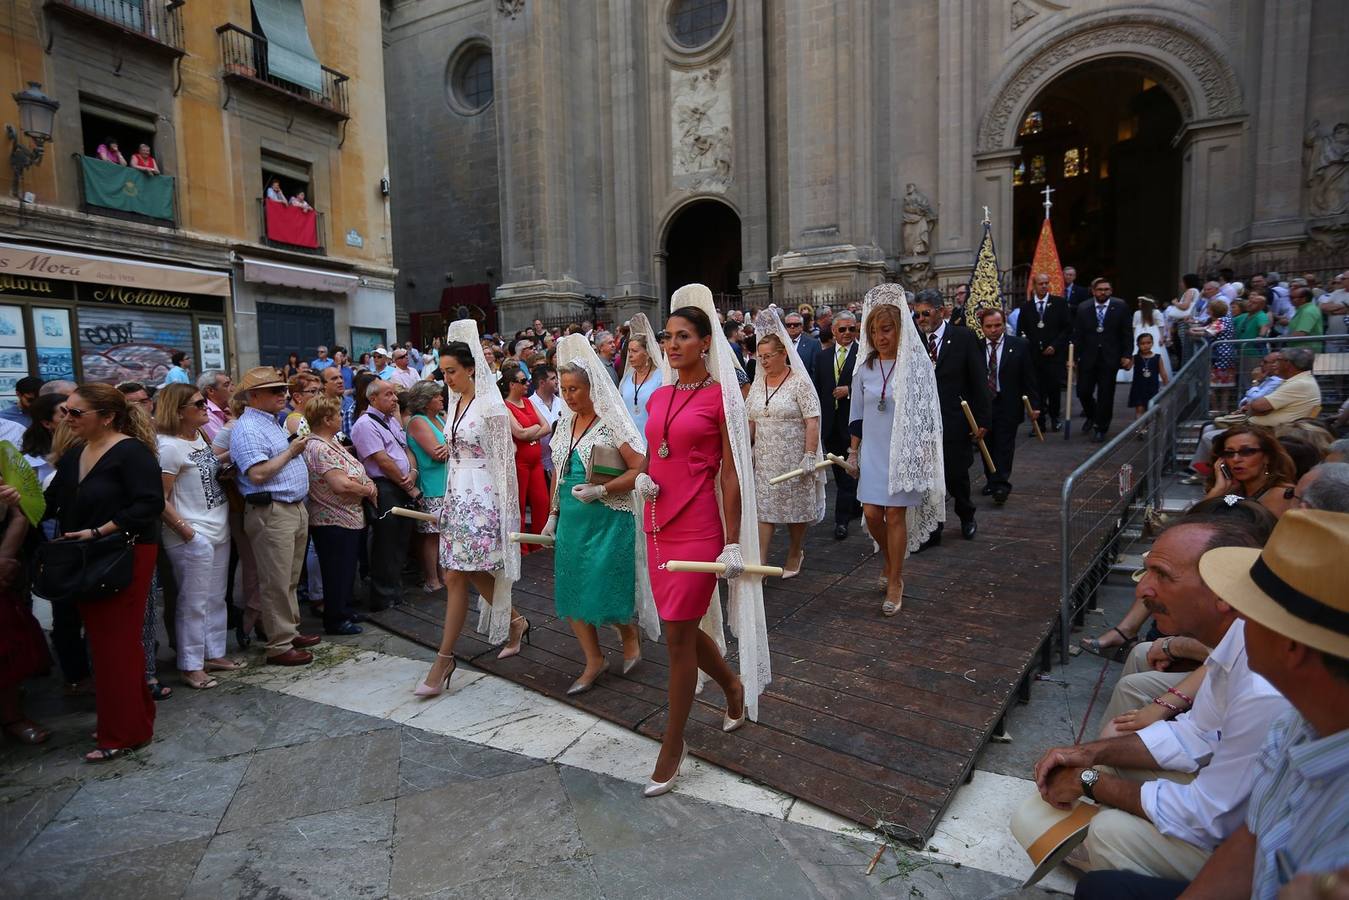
[(427, 691)]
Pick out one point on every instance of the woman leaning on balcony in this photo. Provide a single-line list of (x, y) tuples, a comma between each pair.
[(144, 160)]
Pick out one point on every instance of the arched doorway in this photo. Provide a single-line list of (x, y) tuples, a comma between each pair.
[(1103, 136), (702, 244)]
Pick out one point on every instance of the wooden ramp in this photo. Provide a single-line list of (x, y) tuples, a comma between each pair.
[(878, 720)]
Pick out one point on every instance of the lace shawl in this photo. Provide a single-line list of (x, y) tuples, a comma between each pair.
[(615, 421), (746, 609), (916, 434), (640, 325), (770, 322), (494, 618)]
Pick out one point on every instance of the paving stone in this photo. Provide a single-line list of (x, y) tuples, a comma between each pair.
[(570, 879), (433, 760), (452, 836), (150, 873), (287, 782), (24, 816), (335, 854), (613, 814), (741, 860), (151, 807)]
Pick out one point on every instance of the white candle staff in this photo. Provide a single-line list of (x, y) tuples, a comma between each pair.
[(974, 433), (518, 537), (716, 568), (1068, 398), (412, 514), (829, 460), (1035, 423)]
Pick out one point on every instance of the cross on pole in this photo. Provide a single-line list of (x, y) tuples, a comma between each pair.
[(1048, 203)]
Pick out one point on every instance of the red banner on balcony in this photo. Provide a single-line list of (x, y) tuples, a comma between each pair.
[(291, 224)]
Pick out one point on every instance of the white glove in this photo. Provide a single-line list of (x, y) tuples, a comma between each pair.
[(550, 527), (646, 488), (850, 464), (735, 563), (808, 466), (588, 493)]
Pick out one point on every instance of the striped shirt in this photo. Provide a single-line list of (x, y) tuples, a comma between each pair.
[(257, 438), (1299, 811)]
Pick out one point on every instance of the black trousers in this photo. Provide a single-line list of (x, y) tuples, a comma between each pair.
[(338, 551), (846, 507), (1096, 390), (958, 456), (1001, 442), (1110, 885), (72, 653), (1050, 372), (389, 541)]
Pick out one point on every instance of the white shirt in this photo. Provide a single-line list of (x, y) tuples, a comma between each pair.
[(1220, 738), (548, 412), (940, 335)]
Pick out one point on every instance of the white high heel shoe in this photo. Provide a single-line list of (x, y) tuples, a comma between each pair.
[(656, 788)]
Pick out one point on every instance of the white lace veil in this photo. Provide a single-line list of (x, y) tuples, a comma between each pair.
[(640, 326), (613, 412), (494, 619), (770, 322), (748, 623), (916, 435)]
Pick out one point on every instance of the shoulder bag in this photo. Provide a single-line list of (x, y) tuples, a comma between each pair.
[(66, 571)]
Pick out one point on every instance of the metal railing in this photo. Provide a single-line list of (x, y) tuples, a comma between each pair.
[(243, 57), (1330, 368), (1107, 494), (318, 250), (160, 22)]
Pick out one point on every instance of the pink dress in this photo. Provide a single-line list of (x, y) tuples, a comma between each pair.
[(684, 522)]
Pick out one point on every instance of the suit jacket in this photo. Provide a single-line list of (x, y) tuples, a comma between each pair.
[(808, 348), (834, 414), (1112, 343), (1016, 378), (1075, 294), (1057, 330), (962, 374)]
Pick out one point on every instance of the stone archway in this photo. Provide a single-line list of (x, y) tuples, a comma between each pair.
[(702, 243)]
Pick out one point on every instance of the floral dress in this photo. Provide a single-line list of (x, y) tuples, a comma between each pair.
[(779, 416), (470, 522)]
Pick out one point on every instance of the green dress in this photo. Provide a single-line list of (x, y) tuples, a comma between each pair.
[(594, 558)]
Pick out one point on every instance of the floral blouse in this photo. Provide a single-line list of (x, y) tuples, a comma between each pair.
[(325, 506)]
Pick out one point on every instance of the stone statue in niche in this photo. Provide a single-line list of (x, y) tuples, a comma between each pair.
[(1326, 164), (700, 128), (919, 217)]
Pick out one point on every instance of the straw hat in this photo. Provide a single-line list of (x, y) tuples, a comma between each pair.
[(261, 377), (1294, 586), (1048, 834)]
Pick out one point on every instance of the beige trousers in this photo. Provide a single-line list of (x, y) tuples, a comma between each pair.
[(1139, 684), (1120, 840), (278, 535)]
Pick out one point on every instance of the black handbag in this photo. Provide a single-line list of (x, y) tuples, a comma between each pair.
[(67, 571)]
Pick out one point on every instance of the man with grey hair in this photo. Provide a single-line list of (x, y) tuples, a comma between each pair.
[(1338, 452), (1325, 487), (217, 388), (807, 346), (382, 447), (321, 361), (1298, 397), (605, 348), (57, 387), (833, 383)]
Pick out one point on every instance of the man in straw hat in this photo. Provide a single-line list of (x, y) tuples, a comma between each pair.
[(1296, 611), (1175, 790)]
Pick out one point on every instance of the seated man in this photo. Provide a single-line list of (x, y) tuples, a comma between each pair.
[(1176, 789), (1297, 625)]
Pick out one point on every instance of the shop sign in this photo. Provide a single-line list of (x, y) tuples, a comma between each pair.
[(45, 288), (169, 301), (32, 262)]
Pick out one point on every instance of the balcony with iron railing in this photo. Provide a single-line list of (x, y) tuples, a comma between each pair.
[(243, 57), (154, 26), (123, 192), (287, 227)]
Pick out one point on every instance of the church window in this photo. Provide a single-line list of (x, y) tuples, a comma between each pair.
[(695, 22), (1072, 163), (1037, 169), (471, 87), (1034, 123), (1019, 174)]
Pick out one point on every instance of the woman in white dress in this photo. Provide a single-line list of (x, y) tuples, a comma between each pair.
[(1147, 320), (784, 425), (482, 507), (895, 424)]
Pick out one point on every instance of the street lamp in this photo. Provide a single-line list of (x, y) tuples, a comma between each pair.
[(36, 114)]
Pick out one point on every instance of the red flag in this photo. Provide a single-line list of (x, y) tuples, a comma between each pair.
[(1046, 260)]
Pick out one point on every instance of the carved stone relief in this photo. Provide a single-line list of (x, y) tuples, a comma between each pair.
[(702, 148), (1022, 13), (511, 8), (1325, 163)]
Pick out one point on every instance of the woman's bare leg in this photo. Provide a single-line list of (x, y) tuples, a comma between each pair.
[(796, 547), (896, 544), (765, 538), (875, 519), (589, 640), (682, 641)]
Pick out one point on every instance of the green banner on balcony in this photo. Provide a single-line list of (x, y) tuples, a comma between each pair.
[(130, 190)]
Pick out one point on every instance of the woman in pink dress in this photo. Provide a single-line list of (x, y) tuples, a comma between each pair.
[(689, 457)]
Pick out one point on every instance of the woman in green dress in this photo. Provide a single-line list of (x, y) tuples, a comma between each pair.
[(599, 576)]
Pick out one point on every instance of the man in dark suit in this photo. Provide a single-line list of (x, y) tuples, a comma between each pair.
[(1073, 292), (1010, 377), (1103, 336), (1047, 324), (806, 345), (961, 375), (833, 381)]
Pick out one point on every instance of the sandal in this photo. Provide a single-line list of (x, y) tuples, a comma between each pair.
[(892, 607), (229, 665), (160, 691), (1114, 654), (99, 755), (26, 732), (202, 684)]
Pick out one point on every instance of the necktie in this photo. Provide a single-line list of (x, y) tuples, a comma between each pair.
[(993, 367), (1100, 314), (1040, 310), (839, 357), (932, 347)]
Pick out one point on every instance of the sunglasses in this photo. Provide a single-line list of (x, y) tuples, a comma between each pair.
[(199, 404), (277, 389), (846, 329), (1243, 452), (793, 324), (76, 413), (925, 313)]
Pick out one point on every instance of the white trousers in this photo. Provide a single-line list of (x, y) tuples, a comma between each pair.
[(202, 571)]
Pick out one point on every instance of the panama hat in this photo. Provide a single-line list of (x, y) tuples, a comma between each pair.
[(1048, 833), (1293, 586), (261, 377)]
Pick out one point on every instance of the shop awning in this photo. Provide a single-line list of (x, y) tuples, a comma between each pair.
[(290, 54), (283, 275), (33, 262)]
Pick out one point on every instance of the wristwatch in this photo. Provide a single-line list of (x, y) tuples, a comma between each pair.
[(1089, 778)]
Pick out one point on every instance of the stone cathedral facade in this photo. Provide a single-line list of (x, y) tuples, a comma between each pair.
[(560, 152)]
